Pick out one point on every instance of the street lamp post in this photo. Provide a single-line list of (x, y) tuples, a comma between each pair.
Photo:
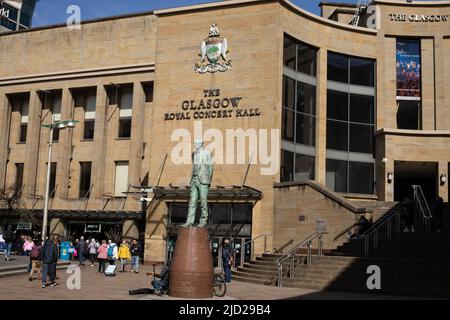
[(58, 125)]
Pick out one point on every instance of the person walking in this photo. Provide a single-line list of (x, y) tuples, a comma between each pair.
[(112, 252), (124, 255), (9, 237), (135, 250), (92, 251), (227, 259), (35, 255), (439, 212), (81, 245), (102, 255), (49, 258), (27, 246)]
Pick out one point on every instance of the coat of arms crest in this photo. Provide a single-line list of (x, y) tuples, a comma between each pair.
[(213, 53)]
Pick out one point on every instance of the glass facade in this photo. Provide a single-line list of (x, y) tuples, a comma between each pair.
[(350, 124), (298, 111), (17, 16)]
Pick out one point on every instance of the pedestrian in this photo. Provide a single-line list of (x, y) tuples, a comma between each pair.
[(49, 258), (135, 250), (124, 255), (81, 245), (27, 246), (439, 212), (102, 256), (35, 256), (227, 259), (112, 252), (9, 237), (92, 251), (71, 251)]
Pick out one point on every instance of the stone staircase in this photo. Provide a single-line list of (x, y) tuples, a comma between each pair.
[(411, 264), (21, 268)]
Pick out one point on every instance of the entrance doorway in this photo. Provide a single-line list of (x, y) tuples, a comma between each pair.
[(408, 173), (97, 230)]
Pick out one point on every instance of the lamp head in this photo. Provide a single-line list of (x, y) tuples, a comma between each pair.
[(61, 126), (70, 124)]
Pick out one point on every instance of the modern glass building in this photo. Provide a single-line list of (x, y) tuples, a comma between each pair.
[(16, 14)]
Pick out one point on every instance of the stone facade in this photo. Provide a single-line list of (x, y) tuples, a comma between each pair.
[(162, 47)]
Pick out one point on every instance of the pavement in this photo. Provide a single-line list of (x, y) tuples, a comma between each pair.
[(84, 283)]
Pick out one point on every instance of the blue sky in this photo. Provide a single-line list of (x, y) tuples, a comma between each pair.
[(54, 11)]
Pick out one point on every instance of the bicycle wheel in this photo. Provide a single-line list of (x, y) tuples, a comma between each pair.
[(219, 286)]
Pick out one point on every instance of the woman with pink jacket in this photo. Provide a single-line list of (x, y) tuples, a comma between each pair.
[(102, 257)]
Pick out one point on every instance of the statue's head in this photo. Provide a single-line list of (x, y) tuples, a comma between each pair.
[(198, 143)]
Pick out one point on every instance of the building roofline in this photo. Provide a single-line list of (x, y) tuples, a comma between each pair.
[(210, 5), (337, 4)]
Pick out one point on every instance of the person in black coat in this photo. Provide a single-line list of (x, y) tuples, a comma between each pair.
[(81, 248), (49, 258)]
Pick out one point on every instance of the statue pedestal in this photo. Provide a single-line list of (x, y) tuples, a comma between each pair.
[(191, 271)]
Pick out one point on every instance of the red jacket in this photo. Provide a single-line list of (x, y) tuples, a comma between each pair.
[(102, 251)]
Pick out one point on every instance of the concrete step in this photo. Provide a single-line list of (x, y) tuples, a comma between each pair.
[(15, 271)]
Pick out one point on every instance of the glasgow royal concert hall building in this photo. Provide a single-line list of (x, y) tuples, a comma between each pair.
[(312, 120)]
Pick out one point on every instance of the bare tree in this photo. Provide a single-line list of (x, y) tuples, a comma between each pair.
[(11, 199)]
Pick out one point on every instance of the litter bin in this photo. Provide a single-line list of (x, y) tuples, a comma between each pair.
[(64, 251)]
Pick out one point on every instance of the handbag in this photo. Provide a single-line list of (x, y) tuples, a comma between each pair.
[(75, 253)]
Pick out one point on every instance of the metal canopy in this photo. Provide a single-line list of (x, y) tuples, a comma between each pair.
[(215, 193), (86, 214)]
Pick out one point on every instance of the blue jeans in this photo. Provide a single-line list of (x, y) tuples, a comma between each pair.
[(49, 268), (82, 257), (8, 247), (227, 270), (135, 263)]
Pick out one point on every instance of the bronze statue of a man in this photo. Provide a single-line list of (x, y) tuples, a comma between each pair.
[(202, 172)]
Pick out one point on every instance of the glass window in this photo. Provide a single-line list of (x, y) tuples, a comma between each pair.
[(306, 98), (124, 127), (362, 71), (148, 91), (304, 167), (52, 183), (89, 126), (336, 175), (288, 124), (306, 62), (287, 166), (361, 109), (337, 135), (220, 214), (241, 214), (361, 138), (337, 105), (306, 130), (23, 132), (337, 67), (361, 178), (85, 179), (55, 135), (121, 182), (19, 174), (288, 93), (408, 114), (289, 48)]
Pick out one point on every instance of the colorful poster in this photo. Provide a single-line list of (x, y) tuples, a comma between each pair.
[(408, 68)]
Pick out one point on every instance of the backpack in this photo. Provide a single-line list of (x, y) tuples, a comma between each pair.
[(35, 252), (110, 252)]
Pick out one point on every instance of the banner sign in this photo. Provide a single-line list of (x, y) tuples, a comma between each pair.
[(408, 68)]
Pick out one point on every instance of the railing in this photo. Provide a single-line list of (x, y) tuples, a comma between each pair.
[(422, 204), (291, 255), (340, 234), (252, 241), (280, 249), (373, 232)]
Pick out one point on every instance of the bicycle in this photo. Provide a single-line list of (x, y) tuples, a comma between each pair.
[(219, 285)]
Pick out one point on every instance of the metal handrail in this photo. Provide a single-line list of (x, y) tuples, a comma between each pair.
[(280, 249), (291, 255), (426, 214), (374, 229), (340, 234), (265, 235)]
